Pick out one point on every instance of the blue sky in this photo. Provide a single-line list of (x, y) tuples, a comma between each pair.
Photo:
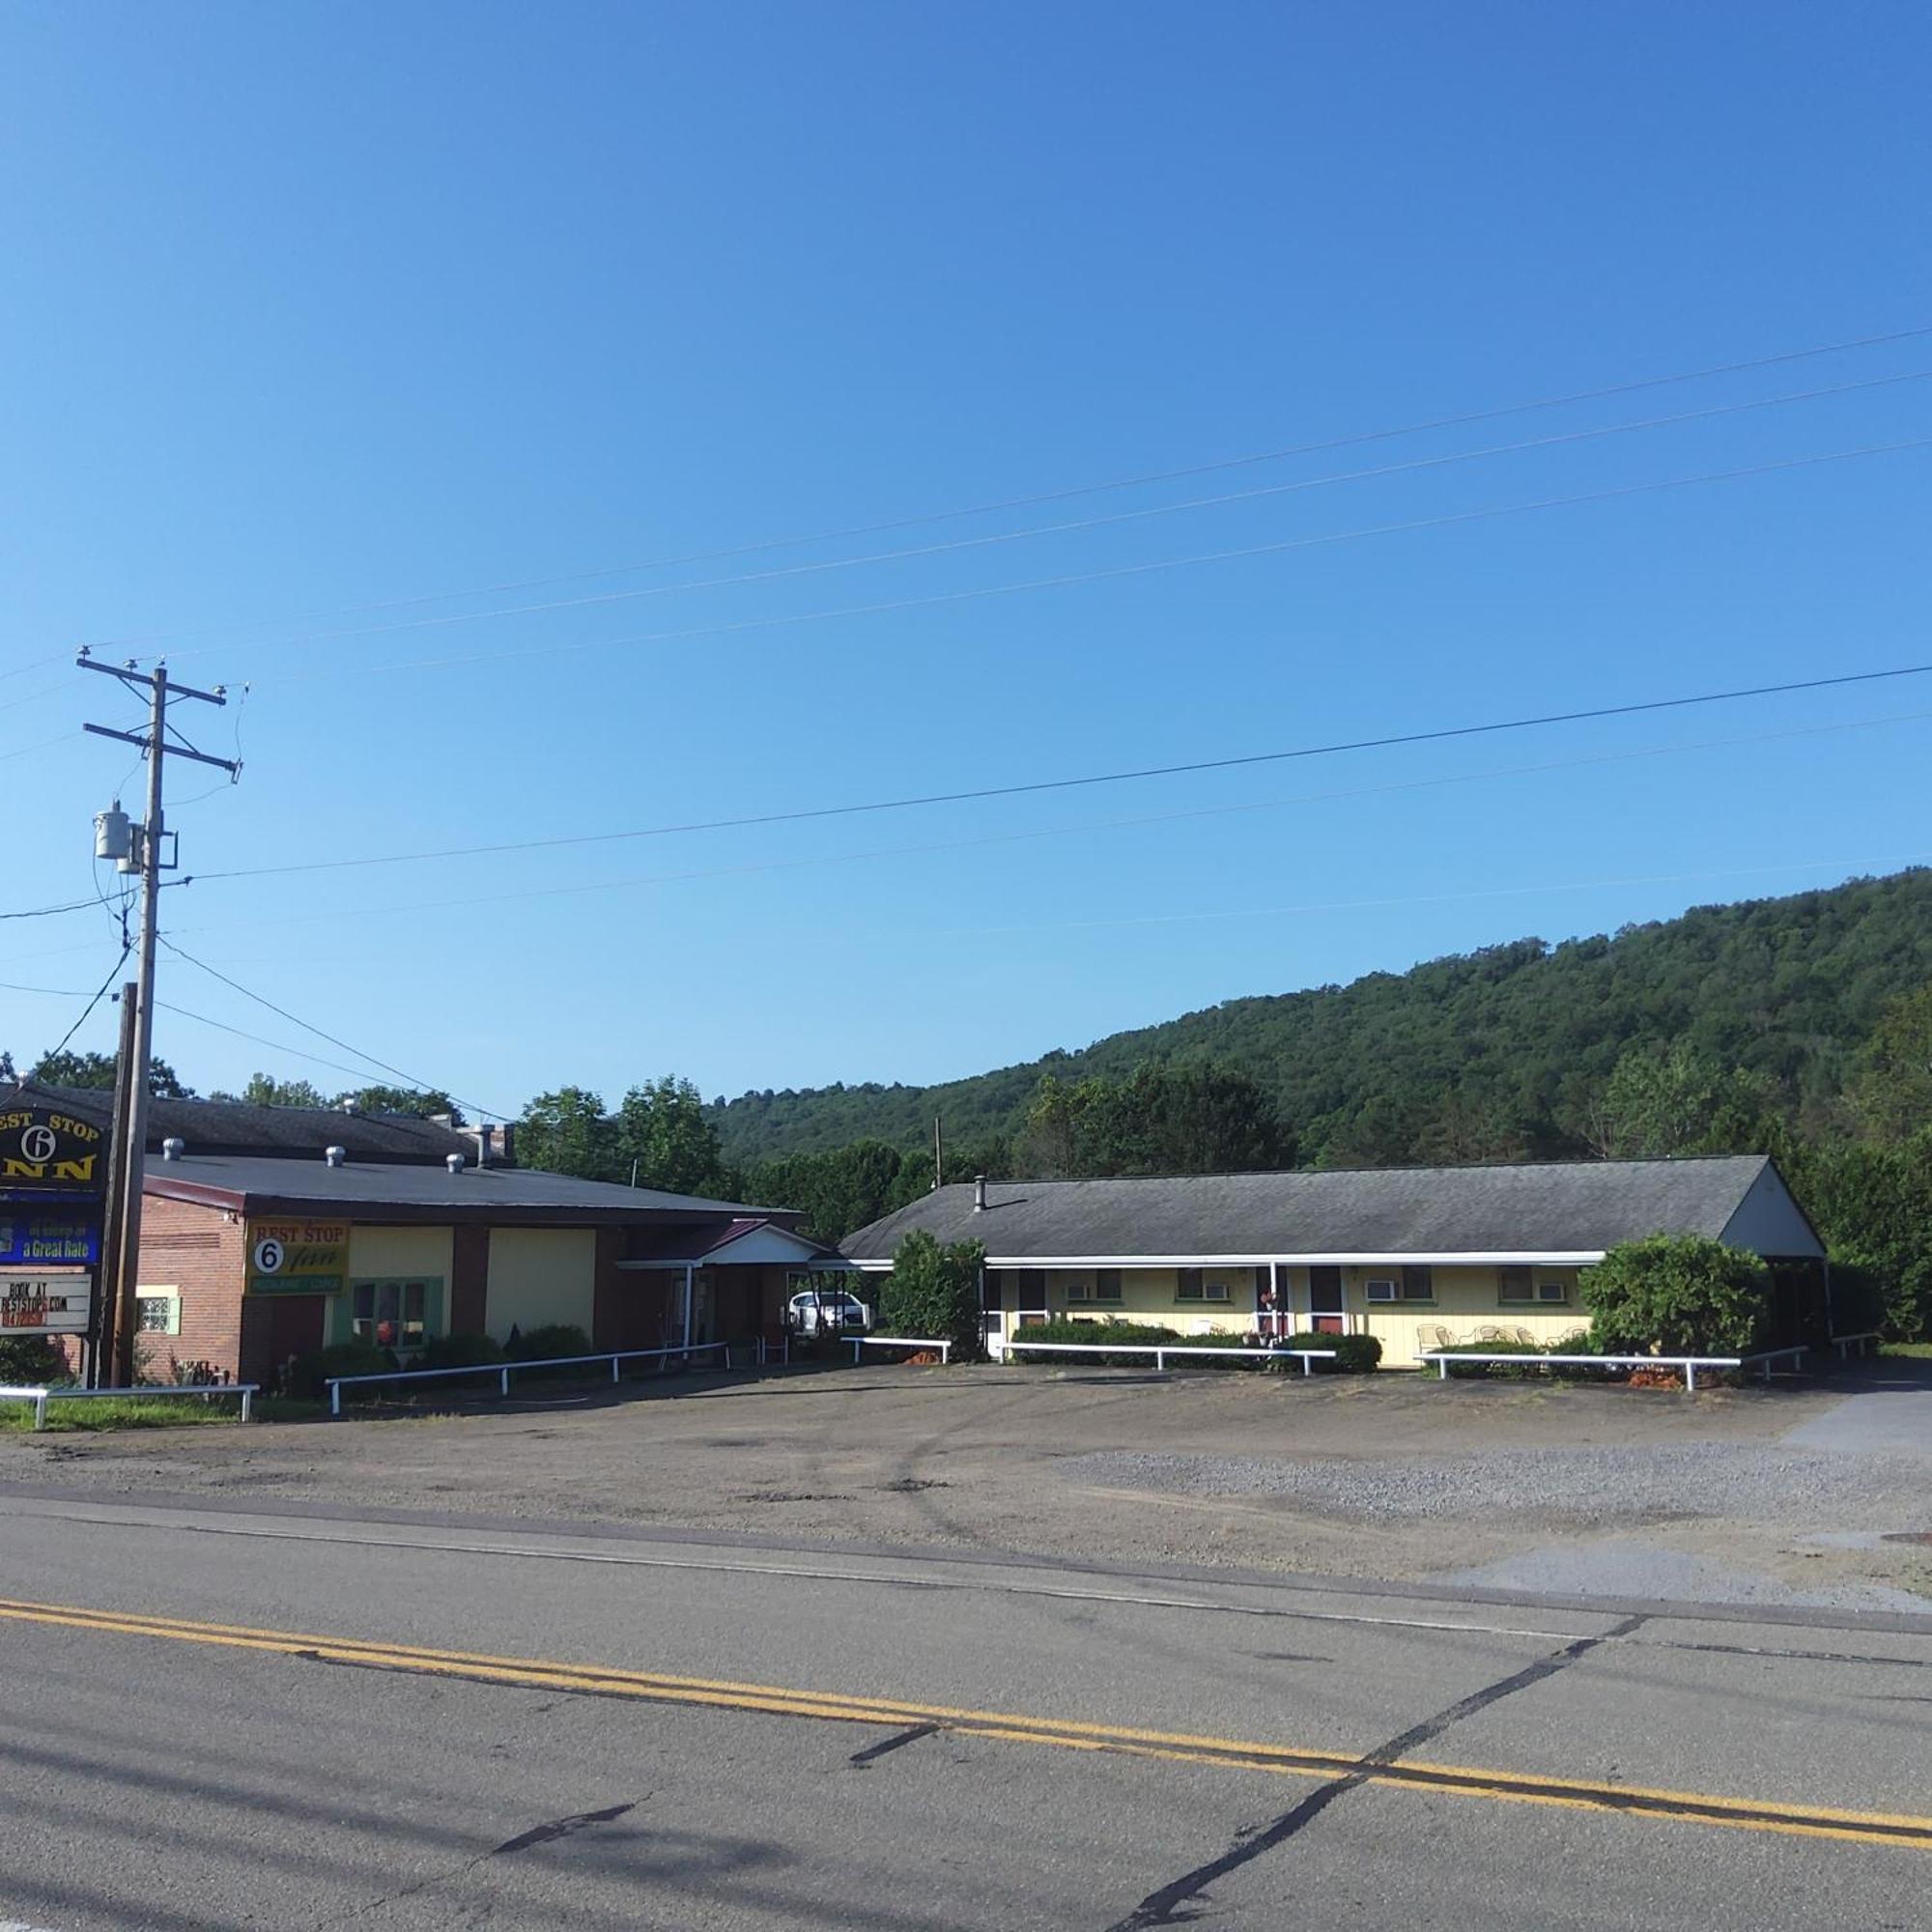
[(309, 309)]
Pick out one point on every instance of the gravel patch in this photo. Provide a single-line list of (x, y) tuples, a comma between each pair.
[(1579, 1486), (1626, 1566)]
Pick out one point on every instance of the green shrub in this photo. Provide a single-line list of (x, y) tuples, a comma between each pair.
[(460, 1351), (1354, 1355), (1530, 1363), (934, 1290), (1677, 1294), (553, 1339), (1095, 1334), (32, 1361), (308, 1373), (1075, 1329)]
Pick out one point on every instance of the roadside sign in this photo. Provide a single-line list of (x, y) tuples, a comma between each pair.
[(45, 1304), (297, 1257), (34, 1237), (44, 1150)]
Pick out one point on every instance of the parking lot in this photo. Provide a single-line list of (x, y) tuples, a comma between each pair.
[(1744, 1495)]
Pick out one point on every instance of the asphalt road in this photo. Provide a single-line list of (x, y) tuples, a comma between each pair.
[(217, 1719)]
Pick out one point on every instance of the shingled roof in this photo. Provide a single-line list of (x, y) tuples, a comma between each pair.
[(1551, 1209), (239, 1127)]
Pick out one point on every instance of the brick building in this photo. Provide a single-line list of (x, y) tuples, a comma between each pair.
[(269, 1231)]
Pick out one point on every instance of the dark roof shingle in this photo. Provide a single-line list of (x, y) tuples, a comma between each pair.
[(1555, 1207)]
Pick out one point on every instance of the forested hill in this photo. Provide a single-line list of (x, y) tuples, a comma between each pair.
[(1493, 1054)]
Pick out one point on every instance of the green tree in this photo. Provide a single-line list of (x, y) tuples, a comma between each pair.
[(1680, 1100), (423, 1102), (664, 1129), (933, 1291), (264, 1090), (96, 1070), (1892, 1082), (1677, 1294), (1159, 1120), (567, 1133), (838, 1191)]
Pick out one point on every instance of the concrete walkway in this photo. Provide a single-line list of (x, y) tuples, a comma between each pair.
[(1888, 1409)]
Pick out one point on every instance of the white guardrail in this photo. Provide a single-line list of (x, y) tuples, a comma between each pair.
[(1843, 1343), (1308, 1357), (503, 1370), (860, 1342), (1690, 1364), (41, 1397)]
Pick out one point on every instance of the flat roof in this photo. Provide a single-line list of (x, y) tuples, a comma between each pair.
[(265, 1182)]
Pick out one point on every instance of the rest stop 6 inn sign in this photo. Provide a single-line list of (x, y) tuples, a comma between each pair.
[(44, 1304), (297, 1257)]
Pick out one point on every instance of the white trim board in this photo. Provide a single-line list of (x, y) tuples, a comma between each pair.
[(1496, 1257)]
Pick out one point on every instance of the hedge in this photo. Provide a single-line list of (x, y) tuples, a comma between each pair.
[(549, 1343), (308, 1371), (460, 1351), (1532, 1362), (1354, 1355)]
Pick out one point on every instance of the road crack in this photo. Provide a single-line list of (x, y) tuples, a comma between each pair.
[(545, 1834), (1178, 1902)]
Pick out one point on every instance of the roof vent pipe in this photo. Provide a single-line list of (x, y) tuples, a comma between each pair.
[(173, 1147), (334, 1156), (454, 1162), (979, 1194)]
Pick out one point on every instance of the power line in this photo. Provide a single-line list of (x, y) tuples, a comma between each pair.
[(1355, 439), (1093, 825), (86, 1013), (1068, 580), (1443, 898), (295, 1020), (1118, 517), (47, 912), (1386, 742)]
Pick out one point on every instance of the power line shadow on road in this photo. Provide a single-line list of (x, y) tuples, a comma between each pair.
[(1165, 1906)]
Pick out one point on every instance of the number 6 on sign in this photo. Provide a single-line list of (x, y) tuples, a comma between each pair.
[(269, 1256)]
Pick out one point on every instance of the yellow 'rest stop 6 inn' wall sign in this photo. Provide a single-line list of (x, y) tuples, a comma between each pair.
[(297, 1257)]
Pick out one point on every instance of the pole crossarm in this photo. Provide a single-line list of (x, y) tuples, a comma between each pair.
[(113, 1341)]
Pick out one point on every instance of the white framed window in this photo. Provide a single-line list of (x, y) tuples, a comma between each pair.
[(1076, 1287), (1195, 1286), (158, 1311), (1415, 1283)]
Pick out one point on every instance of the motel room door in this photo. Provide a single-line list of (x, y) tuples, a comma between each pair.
[(1327, 1304)]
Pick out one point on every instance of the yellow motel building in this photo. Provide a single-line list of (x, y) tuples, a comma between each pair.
[(1420, 1258)]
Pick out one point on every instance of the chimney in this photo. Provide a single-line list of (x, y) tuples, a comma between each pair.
[(349, 1104), (979, 1194), (454, 1162), (173, 1147), (486, 1143), (334, 1156)]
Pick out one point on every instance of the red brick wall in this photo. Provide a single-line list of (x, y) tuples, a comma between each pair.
[(189, 1248)]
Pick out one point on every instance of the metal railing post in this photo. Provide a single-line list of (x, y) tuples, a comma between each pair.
[(335, 1398), (505, 1379), (40, 1409), (247, 1403)]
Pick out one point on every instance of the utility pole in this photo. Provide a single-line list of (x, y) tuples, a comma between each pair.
[(938, 1158), (138, 848)]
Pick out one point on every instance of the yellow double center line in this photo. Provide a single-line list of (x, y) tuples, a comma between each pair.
[(1868, 1828)]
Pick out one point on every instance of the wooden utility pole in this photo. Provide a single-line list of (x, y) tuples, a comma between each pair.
[(121, 1271), (938, 1157)]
